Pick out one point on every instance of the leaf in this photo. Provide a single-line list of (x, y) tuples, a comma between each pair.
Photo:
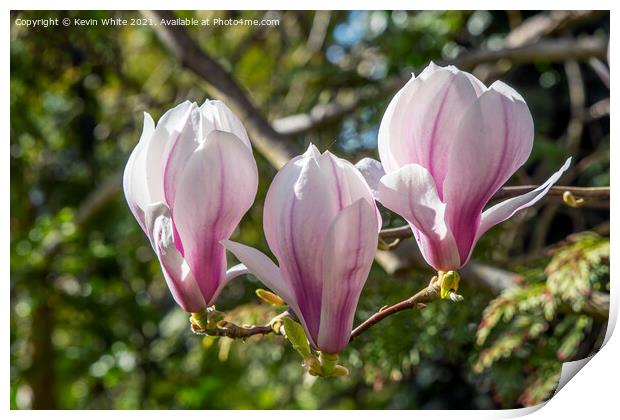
[(296, 335)]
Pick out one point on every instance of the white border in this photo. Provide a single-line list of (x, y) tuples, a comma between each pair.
[(592, 394)]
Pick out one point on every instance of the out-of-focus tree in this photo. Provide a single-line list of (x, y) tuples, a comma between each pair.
[(92, 322)]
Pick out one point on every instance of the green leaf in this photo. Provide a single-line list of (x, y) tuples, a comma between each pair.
[(296, 335)]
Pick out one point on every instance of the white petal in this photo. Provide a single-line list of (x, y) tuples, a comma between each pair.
[(215, 115), (411, 192), (134, 176), (506, 209), (372, 171)]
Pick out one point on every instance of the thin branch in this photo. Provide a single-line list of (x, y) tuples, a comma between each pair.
[(587, 193), (231, 330), (234, 331), (597, 306), (545, 24), (274, 146), (601, 70), (546, 50), (417, 301), (599, 109), (531, 30)]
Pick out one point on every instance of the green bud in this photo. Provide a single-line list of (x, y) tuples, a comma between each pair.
[(270, 298), (199, 320), (340, 370), (449, 283), (313, 365)]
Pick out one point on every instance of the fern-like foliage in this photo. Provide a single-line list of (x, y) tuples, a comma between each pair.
[(528, 331)]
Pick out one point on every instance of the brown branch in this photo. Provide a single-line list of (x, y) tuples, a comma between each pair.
[(274, 146), (532, 30), (229, 329), (601, 70), (494, 279), (597, 306), (588, 193), (545, 50), (517, 41), (234, 331), (599, 109), (417, 301), (545, 24)]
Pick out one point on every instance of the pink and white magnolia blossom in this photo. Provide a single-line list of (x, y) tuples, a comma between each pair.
[(188, 182), (322, 224), (447, 144)]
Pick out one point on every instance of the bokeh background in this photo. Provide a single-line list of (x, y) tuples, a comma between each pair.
[(92, 323)]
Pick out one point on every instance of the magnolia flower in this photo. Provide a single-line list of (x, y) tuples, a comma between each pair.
[(447, 143), (188, 182), (322, 224)]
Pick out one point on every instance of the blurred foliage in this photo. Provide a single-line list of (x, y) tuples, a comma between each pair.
[(92, 323), (541, 319)]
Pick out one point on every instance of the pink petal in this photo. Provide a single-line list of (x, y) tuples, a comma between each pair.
[(411, 192), (506, 209), (347, 258), (297, 213), (268, 273), (303, 200), (177, 273), (420, 128), (216, 188), (492, 141), (349, 183)]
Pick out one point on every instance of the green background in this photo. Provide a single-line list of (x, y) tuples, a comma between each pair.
[(92, 322)]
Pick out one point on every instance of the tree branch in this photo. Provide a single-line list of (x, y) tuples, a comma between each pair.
[(546, 50), (545, 24), (589, 194), (274, 146), (533, 29), (417, 301)]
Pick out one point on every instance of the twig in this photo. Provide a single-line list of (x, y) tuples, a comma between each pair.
[(228, 329), (559, 49), (234, 331), (546, 50), (417, 301), (588, 193), (601, 70), (599, 109), (545, 24), (532, 30)]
